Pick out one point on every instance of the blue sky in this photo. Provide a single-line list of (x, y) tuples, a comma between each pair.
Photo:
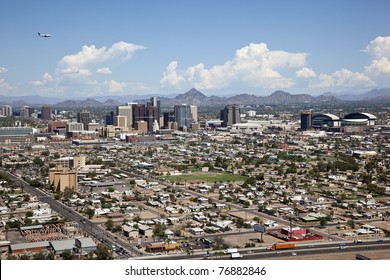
[(110, 48)]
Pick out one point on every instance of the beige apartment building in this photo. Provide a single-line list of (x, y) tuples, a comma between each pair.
[(62, 178)]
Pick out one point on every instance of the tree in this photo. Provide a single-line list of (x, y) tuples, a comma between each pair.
[(39, 256), (136, 219), (159, 230), (24, 257), (89, 212), (323, 221), (67, 254), (351, 223), (109, 225), (219, 243), (68, 193), (27, 222), (29, 214), (12, 257), (36, 183), (50, 256), (38, 161), (103, 253)]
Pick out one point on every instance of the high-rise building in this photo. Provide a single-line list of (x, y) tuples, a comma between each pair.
[(7, 111), (153, 102), (183, 116), (306, 120), (120, 121), (84, 117), (26, 112), (169, 117), (152, 112), (46, 112), (194, 113), (127, 111), (230, 115), (138, 113), (109, 119)]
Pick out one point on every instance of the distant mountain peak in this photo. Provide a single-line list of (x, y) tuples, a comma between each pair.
[(193, 97), (280, 93), (194, 93)]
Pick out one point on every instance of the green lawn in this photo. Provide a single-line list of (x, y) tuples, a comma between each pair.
[(209, 177)]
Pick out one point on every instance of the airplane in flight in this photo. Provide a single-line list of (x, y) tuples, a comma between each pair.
[(44, 35)]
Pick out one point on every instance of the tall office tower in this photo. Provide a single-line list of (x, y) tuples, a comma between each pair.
[(138, 113), (194, 113), (30, 111), (127, 111), (169, 117), (230, 115), (109, 118), (306, 120), (46, 112), (151, 114), (121, 121), (183, 116), (153, 102), (7, 111), (25, 112), (84, 117)]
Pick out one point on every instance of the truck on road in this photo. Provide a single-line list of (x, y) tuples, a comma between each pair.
[(235, 256), (282, 246), (231, 250)]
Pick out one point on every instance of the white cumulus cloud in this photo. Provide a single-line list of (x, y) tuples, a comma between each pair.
[(379, 47), (343, 78), (4, 85), (91, 54), (3, 70), (74, 72), (253, 66), (379, 67), (114, 86), (46, 79), (305, 73), (104, 70), (171, 78)]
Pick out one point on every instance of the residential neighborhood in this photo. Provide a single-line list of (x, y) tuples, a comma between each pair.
[(307, 177)]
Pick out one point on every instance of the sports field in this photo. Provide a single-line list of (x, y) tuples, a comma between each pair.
[(210, 177)]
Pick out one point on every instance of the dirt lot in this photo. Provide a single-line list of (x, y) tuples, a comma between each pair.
[(241, 239), (15, 237)]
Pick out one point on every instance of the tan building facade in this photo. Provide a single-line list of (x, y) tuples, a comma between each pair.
[(62, 178)]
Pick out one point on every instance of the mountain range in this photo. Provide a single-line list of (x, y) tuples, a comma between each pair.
[(195, 97)]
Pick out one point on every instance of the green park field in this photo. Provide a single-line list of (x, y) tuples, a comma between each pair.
[(209, 177)]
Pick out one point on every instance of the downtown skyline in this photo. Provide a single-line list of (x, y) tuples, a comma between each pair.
[(101, 48)]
